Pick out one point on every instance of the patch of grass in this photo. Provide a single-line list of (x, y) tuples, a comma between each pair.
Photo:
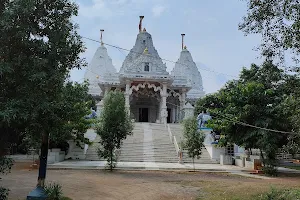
[(233, 189), (280, 194), (65, 198), (293, 167)]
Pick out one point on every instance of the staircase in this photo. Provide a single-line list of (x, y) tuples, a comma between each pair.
[(149, 143), (91, 153), (177, 131)]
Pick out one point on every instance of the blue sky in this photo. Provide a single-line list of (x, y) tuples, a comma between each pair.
[(211, 28)]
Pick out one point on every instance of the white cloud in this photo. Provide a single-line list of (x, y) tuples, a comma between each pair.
[(99, 8), (106, 9), (157, 10)]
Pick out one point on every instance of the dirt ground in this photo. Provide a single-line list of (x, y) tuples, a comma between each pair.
[(144, 185)]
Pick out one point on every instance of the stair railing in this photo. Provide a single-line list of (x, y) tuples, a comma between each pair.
[(176, 145), (170, 133), (174, 141)]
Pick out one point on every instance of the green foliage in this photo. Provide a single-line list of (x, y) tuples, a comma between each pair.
[(193, 138), (35, 60), (5, 164), (256, 99), (280, 194), (39, 47), (293, 146), (114, 126), (54, 191), (110, 157), (4, 193), (277, 21), (5, 167), (76, 104)]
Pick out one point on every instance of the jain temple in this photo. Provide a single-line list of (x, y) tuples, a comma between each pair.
[(151, 93), (154, 97)]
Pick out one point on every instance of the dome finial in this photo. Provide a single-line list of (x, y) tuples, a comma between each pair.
[(182, 42), (144, 30), (140, 25), (101, 32), (184, 47)]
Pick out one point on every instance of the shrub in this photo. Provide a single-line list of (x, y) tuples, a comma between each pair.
[(280, 194), (54, 191), (3, 193)]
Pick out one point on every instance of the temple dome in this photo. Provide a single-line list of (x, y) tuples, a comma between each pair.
[(137, 57), (186, 67), (100, 68)]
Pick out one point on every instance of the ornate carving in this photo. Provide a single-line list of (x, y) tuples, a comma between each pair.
[(174, 94), (148, 93), (143, 85)]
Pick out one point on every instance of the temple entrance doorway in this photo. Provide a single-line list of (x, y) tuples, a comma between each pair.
[(169, 115), (145, 105), (143, 115)]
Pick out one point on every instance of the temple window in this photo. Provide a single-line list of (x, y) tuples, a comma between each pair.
[(146, 67)]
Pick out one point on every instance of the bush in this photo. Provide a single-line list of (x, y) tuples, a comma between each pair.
[(54, 191), (270, 170), (5, 167), (3, 193), (280, 194)]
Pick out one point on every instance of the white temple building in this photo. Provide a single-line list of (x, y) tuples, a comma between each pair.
[(151, 93)]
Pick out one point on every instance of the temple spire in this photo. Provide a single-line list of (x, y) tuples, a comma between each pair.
[(101, 32), (140, 25), (182, 42)]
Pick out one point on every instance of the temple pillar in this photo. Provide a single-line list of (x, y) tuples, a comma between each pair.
[(182, 104), (164, 113), (127, 95)]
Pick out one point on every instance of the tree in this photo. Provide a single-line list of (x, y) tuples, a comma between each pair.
[(5, 166), (39, 46), (193, 139), (76, 104), (114, 126), (254, 99), (277, 21)]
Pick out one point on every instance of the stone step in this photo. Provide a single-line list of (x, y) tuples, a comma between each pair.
[(160, 149)]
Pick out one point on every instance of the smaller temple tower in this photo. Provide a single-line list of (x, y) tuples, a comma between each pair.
[(187, 68), (100, 69)]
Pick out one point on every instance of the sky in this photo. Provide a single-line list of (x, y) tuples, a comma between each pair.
[(218, 48)]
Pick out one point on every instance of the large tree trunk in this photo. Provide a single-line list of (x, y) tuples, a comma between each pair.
[(43, 160), (262, 157)]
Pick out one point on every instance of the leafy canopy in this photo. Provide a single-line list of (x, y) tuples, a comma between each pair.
[(278, 22), (256, 98), (39, 46)]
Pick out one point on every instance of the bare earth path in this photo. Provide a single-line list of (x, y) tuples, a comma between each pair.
[(143, 185)]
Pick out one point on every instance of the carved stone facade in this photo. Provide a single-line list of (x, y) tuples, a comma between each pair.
[(151, 93)]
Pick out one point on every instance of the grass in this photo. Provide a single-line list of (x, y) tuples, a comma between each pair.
[(65, 198), (293, 167), (280, 194), (230, 191), (235, 188)]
